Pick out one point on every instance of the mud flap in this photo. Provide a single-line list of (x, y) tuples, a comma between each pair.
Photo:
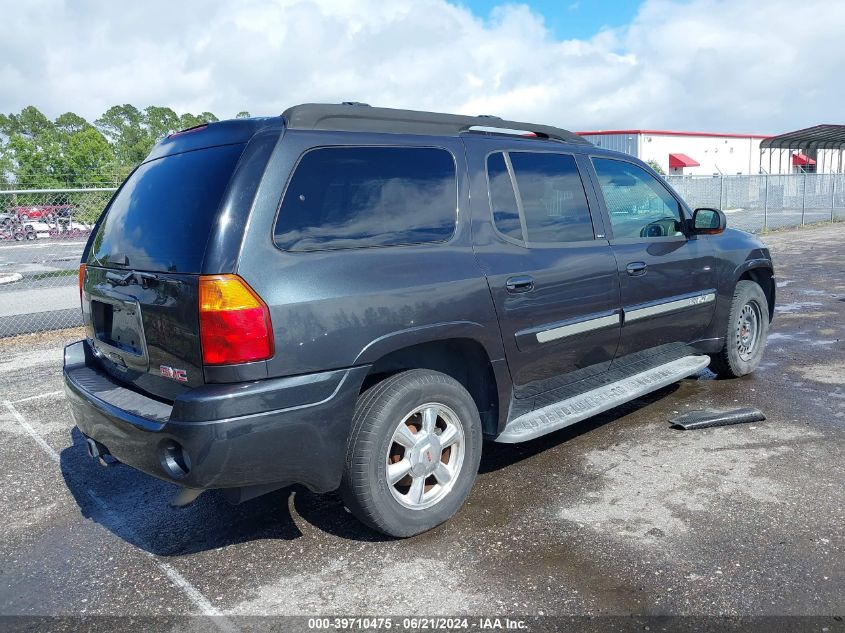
[(704, 418)]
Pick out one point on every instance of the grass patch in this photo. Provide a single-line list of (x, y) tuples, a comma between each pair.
[(55, 273)]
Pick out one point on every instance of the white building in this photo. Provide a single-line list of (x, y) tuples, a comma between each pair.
[(690, 153)]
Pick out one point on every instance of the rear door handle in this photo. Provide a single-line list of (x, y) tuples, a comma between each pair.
[(635, 269), (520, 283)]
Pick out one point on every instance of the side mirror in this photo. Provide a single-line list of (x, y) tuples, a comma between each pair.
[(707, 221)]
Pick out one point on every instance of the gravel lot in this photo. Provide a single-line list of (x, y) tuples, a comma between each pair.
[(619, 515)]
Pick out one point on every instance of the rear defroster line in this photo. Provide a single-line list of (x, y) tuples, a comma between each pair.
[(705, 418)]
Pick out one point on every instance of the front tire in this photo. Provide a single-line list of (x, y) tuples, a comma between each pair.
[(413, 452), (748, 328)]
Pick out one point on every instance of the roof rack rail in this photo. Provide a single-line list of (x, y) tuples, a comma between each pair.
[(353, 116)]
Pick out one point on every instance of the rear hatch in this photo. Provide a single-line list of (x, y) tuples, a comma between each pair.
[(140, 299)]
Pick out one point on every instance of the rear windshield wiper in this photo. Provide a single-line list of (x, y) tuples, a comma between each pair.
[(119, 280), (145, 279)]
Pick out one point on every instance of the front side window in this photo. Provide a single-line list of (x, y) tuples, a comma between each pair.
[(355, 197), (553, 202), (639, 206)]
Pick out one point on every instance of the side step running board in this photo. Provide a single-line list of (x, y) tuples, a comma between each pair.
[(561, 414)]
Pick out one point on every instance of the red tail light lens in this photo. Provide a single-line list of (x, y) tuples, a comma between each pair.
[(234, 322)]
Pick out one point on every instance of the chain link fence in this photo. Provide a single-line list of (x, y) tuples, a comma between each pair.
[(761, 203), (43, 231)]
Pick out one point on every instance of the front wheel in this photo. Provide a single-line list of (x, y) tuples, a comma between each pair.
[(413, 452), (745, 339)]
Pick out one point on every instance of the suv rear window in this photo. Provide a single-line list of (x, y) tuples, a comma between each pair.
[(354, 197), (162, 217)]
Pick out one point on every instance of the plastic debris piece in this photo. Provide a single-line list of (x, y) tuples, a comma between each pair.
[(705, 418)]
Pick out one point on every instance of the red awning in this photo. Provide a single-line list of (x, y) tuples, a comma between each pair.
[(802, 159), (682, 160)]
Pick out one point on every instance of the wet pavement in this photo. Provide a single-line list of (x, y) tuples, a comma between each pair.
[(617, 515)]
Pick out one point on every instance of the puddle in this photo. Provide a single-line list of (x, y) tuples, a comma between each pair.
[(816, 293), (797, 306), (778, 336)]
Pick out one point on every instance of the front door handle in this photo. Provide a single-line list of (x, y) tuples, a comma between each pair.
[(520, 283), (635, 269)]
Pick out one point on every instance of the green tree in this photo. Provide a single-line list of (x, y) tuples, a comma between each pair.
[(70, 152), (123, 127), (88, 158), (243, 114), (655, 166)]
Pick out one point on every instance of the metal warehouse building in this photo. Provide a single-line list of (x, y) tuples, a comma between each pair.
[(819, 149), (688, 153)]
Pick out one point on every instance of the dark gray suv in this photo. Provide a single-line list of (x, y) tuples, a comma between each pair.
[(353, 297)]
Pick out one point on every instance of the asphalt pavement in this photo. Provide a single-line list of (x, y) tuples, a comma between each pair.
[(619, 515)]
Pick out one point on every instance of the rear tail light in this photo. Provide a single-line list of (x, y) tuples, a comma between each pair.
[(81, 281), (234, 322)]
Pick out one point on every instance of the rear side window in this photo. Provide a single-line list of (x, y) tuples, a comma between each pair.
[(162, 217), (355, 197), (553, 197), (502, 197), (553, 202)]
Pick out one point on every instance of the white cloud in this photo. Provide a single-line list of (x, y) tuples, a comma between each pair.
[(733, 65)]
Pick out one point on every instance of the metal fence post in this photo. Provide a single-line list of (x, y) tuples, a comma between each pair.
[(766, 204), (803, 197), (721, 189), (832, 197)]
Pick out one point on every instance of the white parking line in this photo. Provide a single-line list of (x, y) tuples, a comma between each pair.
[(193, 594), (43, 245), (49, 394)]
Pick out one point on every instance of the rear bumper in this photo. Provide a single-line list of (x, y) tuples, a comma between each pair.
[(275, 431)]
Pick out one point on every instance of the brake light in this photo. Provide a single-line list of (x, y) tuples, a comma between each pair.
[(196, 128), (81, 281), (235, 323)]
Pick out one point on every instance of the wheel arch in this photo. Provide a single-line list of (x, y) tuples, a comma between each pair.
[(464, 359), (763, 276)]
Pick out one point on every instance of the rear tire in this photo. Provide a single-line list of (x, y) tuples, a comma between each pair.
[(413, 452), (745, 338)]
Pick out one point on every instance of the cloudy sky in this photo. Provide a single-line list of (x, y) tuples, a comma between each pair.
[(713, 65)]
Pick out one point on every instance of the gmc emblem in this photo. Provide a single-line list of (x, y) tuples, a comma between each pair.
[(174, 374)]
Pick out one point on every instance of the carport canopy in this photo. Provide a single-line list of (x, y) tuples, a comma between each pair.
[(682, 160), (816, 137), (820, 148)]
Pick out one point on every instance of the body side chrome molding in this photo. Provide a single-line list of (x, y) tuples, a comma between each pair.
[(577, 328), (555, 332), (633, 314)]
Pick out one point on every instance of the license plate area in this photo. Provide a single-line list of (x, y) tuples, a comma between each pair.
[(119, 332)]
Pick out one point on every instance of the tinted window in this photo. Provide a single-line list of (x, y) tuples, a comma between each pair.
[(638, 204), (351, 197), (553, 197), (162, 217), (502, 197)]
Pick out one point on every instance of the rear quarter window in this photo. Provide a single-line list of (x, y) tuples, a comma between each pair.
[(356, 197)]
